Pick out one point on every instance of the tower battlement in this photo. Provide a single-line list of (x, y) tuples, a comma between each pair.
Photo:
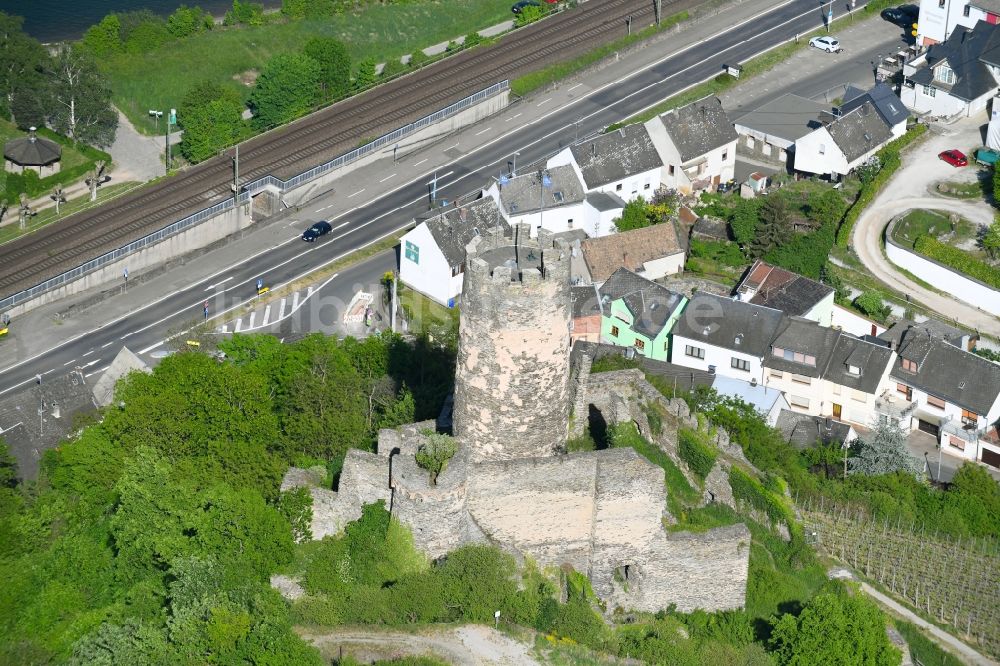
[(512, 379)]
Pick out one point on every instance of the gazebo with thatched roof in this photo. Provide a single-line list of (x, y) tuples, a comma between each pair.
[(32, 152)]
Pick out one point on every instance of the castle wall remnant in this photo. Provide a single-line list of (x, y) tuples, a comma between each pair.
[(512, 377)]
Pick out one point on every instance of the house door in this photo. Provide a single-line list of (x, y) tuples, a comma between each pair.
[(928, 427), (991, 458), (836, 410)]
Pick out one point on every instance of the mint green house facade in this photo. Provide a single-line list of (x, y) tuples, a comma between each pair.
[(638, 313)]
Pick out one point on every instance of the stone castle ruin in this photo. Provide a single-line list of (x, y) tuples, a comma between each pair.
[(517, 397)]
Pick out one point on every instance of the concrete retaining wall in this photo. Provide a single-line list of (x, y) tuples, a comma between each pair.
[(941, 277)]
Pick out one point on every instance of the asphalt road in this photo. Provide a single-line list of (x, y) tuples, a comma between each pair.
[(145, 328)]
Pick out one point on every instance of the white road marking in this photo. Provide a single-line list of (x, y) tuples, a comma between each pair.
[(107, 344), (213, 286), (421, 161), (225, 328), (387, 178), (267, 315), (356, 193), (515, 117), (87, 365), (310, 292), (151, 348), (574, 87), (252, 315), (281, 310), (69, 362), (96, 372), (295, 301), (239, 325), (484, 131), (544, 101), (450, 147), (90, 352)]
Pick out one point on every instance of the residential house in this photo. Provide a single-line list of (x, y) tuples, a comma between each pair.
[(653, 252), (769, 132), (940, 18), (586, 302), (884, 100), (549, 198), (853, 323), (624, 163), (724, 335), (697, 145), (793, 294), (826, 372), (945, 391), (39, 417), (768, 401), (844, 144), (956, 77), (803, 431), (638, 313), (432, 254)]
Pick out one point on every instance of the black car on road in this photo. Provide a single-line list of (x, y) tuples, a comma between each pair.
[(904, 15), (315, 231)]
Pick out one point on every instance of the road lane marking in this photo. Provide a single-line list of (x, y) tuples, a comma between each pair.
[(96, 372), (252, 316), (151, 348), (356, 193), (544, 101), (450, 147), (295, 301), (90, 352), (574, 87), (213, 286), (87, 365), (69, 362), (108, 344), (387, 178), (267, 314), (421, 161), (239, 325), (484, 131), (281, 310)]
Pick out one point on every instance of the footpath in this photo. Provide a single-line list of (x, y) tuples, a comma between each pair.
[(49, 326)]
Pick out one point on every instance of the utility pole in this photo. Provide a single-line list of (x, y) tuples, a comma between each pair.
[(628, 24), (392, 317), (658, 9), (171, 120), (236, 177)]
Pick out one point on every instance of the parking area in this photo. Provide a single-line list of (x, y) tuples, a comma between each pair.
[(924, 446)]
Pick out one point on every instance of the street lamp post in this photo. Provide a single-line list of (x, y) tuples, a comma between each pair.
[(543, 182)]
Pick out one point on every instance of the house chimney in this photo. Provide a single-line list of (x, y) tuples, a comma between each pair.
[(31, 134), (753, 381)]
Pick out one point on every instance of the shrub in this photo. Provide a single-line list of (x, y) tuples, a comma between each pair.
[(693, 449), (752, 491), (871, 304), (435, 454), (725, 253), (960, 260)]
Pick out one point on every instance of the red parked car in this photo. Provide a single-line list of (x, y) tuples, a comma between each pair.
[(955, 158)]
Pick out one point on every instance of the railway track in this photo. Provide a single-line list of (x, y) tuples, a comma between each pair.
[(317, 138)]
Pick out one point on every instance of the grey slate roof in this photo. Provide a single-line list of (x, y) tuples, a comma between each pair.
[(611, 157), (806, 337), (782, 290), (950, 334), (788, 117), (651, 304), (803, 430), (32, 151), (860, 131), (872, 359), (586, 300), (605, 201), (719, 321), (992, 6), (521, 194), (945, 371), (28, 436), (699, 127), (885, 101), (457, 226), (967, 52)]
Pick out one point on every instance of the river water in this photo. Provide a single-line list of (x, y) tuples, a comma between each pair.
[(57, 20)]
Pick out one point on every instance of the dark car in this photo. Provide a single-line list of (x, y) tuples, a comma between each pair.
[(904, 15), (315, 231), (524, 3)]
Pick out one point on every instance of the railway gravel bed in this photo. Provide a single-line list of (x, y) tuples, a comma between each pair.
[(317, 138)]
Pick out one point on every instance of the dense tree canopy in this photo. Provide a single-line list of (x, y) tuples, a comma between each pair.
[(335, 65), (212, 118), (286, 89)]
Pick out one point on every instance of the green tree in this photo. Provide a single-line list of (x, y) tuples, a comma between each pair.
[(975, 495), (882, 451), (212, 126), (143, 31), (104, 39), (131, 642), (82, 99), (434, 454), (991, 240), (186, 21), (335, 65), (23, 62), (836, 628), (364, 75), (743, 221), (871, 304), (477, 581), (996, 186), (635, 215), (528, 14), (774, 226), (246, 13), (827, 207), (8, 466), (285, 90)]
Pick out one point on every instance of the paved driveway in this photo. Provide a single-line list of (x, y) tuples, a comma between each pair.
[(909, 188)]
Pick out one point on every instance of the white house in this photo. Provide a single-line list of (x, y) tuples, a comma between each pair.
[(825, 372), (836, 149), (769, 132), (956, 77), (551, 198), (432, 254), (943, 390), (793, 294), (939, 18), (769, 402), (624, 163), (886, 103), (697, 145), (725, 336)]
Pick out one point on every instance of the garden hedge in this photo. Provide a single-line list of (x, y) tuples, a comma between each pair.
[(890, 160), (958, 259)]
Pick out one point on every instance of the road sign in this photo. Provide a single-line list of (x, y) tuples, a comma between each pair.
[(126, 272), (260, 284)]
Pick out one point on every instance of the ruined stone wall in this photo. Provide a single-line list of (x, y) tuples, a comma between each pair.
[(512, 375), (405, 439)]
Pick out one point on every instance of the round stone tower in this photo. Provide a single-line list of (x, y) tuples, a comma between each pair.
[(512, 376)]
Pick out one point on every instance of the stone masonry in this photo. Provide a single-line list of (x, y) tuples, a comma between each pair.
[(601, 512), (512, 377)]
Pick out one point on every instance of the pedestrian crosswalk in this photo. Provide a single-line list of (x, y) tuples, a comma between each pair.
[(266, 315)]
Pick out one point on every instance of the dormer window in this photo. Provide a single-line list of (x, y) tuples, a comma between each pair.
[(794, 356), (854, 370), (909, 366), (944, 74)]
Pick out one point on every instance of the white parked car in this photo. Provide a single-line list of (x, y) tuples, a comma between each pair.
[(828, 44)]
